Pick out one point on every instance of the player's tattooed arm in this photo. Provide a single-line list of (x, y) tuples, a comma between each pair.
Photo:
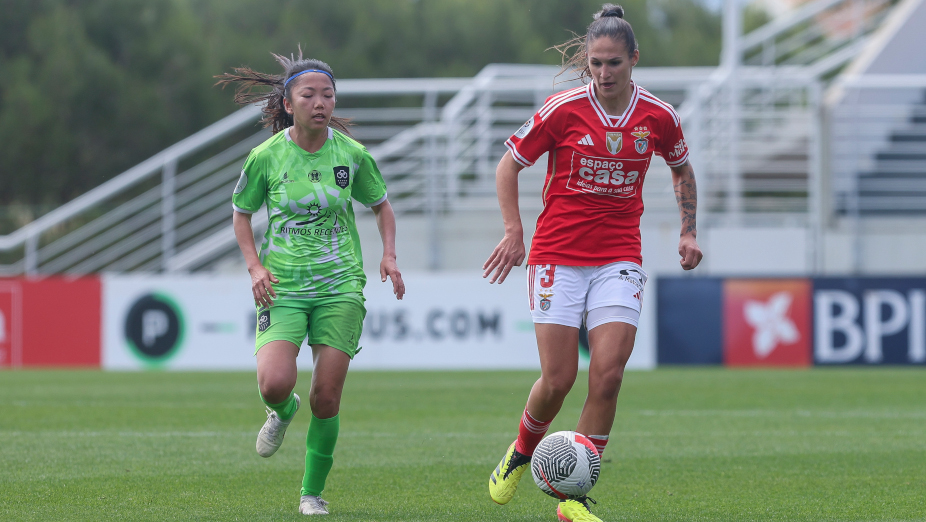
[(686, 195)]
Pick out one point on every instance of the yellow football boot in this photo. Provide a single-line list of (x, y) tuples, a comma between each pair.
[(504, 480), (576, 510)]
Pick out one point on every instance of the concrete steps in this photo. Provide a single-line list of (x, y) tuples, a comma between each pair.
[(896, 185)]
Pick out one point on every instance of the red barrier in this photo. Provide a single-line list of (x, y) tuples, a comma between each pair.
[(53, 321)]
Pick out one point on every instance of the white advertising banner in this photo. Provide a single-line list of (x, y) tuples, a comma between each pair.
[(445, 321), (178, 322), (448, 320)]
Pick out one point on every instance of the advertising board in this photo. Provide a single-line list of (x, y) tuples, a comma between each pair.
[(50, 322), (445, 321), (767, 322), (792, 322), (177, 322), (688, 317), (10, 324), (448, 321), (870, 321)]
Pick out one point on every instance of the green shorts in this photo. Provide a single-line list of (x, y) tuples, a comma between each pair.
[(333, 321)]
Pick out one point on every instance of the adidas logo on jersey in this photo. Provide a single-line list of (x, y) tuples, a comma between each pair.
[(587, 140)]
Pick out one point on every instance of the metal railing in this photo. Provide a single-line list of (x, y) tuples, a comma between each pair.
[(153, 213), (756, 142), (814, 31)]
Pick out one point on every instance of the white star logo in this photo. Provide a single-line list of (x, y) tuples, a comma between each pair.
[(771, 322)]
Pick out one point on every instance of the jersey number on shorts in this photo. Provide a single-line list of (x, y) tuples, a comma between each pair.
[(547, 280)]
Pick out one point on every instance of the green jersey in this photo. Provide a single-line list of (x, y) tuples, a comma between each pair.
[(311, 244)]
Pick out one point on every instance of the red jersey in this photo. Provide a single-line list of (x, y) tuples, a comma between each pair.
[(593, 193)]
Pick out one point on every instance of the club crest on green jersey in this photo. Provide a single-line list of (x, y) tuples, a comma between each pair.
[(263, 320), (342, 176), (315, 176)]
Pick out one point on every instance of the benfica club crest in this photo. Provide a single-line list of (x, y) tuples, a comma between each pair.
[(545, 301), (641, 143), (614, 141)]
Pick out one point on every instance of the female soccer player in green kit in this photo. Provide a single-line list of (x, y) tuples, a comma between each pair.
[(308, 278)]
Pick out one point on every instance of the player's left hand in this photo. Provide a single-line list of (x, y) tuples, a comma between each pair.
[(388, 267), (690, 251), (508, 254)]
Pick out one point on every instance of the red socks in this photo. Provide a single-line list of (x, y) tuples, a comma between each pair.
[(530, 433), (600, 441)]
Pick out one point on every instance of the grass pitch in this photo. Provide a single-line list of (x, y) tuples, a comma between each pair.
[(688, 444)]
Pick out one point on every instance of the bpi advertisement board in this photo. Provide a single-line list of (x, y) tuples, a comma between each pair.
[(792, 322), (445, 321), (870, 321)]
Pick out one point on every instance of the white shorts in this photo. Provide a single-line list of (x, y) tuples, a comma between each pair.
[(562, 294)]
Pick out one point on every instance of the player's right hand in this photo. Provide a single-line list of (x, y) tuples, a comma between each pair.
[(261, 286), (690, 252), (508, 253)]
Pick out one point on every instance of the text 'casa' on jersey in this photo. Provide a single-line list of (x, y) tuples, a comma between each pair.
[(593, 192), (311, 244)]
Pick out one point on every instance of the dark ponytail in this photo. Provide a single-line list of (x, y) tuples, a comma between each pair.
[(609, 21), (275, 115)]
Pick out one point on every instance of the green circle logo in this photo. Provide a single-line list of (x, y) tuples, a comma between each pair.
[(154, 328)]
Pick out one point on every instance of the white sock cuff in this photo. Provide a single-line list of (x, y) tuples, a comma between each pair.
[(600, 441)]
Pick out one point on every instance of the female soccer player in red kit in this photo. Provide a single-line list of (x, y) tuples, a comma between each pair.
[(584, 263)]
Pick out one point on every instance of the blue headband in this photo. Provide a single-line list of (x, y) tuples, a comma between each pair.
[(326, 73)]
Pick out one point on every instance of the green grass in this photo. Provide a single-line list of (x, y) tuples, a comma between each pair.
[(688, 444)]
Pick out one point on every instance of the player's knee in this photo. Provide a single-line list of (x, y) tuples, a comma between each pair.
[(558, 385), (608, 383), (275, 391), (325, 402)]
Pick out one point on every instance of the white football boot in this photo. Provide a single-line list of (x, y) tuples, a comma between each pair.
[(271, 434), (309, 505)]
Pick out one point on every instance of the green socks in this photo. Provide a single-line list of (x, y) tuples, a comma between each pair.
[(319, 453), (285, 409), (319, 445)]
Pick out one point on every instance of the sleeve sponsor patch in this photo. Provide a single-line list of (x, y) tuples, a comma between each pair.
[(525, 129), (242, 183), (678, 150)]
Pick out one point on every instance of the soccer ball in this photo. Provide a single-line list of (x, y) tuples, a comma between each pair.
[(565, 465)]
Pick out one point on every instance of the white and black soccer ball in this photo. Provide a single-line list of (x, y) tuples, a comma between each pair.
[(565, 465)]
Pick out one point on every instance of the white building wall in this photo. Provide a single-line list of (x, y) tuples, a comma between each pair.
[(887, 247)]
